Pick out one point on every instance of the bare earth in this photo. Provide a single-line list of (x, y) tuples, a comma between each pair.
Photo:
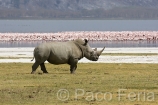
[(24, 55)]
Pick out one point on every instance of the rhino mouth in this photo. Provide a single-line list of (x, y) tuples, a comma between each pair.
[(95, 59)]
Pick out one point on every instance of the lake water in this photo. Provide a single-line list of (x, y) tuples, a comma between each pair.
[(47, 26), (77, 25), (109, 44)]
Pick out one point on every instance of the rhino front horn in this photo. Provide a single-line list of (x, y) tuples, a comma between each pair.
[(99, 52)]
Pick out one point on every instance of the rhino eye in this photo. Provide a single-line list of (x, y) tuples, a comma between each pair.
[(91, 53)]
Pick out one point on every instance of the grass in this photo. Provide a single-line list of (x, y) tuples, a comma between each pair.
[(93, 84)]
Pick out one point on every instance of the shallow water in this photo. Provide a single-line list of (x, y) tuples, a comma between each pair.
[(110, 44)]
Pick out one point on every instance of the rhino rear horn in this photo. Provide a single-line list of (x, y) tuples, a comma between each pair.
[(95, 49)]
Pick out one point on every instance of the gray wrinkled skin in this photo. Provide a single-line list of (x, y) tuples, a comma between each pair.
[(69, 52)]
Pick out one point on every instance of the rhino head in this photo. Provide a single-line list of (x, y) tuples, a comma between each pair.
[(94, 56), (91, 54)]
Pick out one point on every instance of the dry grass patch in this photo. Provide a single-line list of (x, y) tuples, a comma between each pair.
[(18, 86)]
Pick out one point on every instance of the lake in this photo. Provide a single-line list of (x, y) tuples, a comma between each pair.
[(48, 26), (77, 25), (109, 44)]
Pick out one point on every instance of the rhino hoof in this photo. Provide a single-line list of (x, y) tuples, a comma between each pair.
[(45, 72), (72, 72), (32, 72)]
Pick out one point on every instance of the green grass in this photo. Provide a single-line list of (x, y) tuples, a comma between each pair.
[(18, 86)]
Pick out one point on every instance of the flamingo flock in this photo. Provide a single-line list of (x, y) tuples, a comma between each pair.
[(90, 35)]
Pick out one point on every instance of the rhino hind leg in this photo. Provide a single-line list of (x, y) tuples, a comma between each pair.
[(43, 68), (34, 67)]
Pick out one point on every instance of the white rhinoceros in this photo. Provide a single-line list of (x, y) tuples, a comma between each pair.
[(69, 52)]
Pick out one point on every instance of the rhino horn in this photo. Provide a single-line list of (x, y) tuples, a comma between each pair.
[(99, 52)]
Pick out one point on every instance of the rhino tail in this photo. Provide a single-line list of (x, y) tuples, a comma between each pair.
[(32, 58)]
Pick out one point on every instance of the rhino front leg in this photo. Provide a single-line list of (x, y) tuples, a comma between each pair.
[(73, 65), (73, 68), (43, 68)]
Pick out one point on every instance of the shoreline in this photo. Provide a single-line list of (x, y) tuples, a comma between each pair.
[(24, 55)]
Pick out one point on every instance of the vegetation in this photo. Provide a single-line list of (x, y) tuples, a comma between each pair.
[(92, 84)]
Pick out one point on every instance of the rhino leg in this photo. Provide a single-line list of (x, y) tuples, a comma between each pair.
[(43, 68), (34, 67), (73, 68), (73, 64)]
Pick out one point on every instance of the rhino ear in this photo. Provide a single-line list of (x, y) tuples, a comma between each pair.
[(86, 41)]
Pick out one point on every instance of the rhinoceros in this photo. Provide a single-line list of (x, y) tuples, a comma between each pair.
[(69, 52)]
